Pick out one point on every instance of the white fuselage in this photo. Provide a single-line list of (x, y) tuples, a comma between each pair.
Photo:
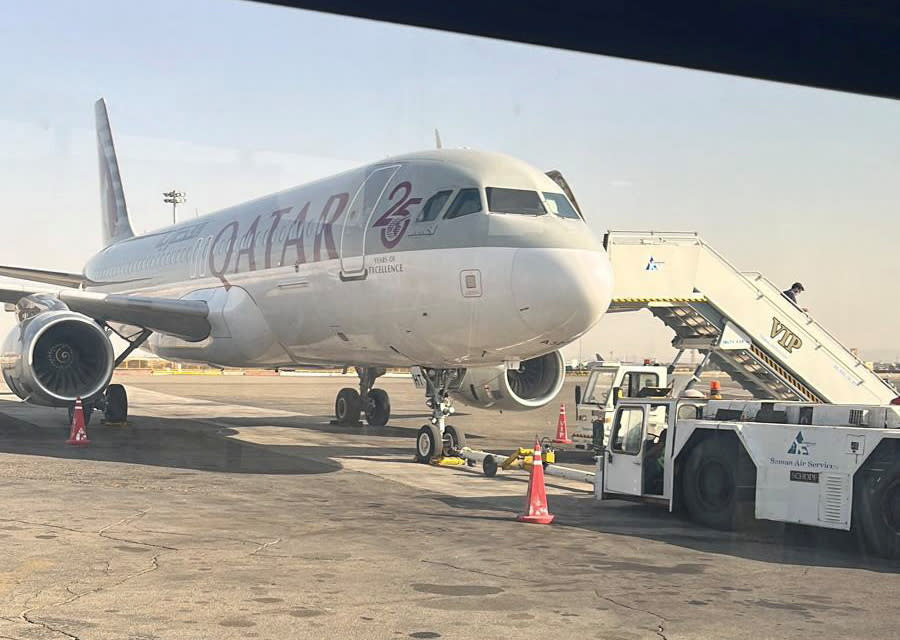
[(359, 269)]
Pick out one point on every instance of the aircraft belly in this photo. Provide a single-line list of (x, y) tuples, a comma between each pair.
[(410, 309)]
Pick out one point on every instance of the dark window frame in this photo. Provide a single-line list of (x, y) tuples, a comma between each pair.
[(463, 193), (490, 191), (617, 426), (447, 201), (632, 375)]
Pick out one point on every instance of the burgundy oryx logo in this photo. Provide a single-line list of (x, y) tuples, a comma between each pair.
[(395, 220)]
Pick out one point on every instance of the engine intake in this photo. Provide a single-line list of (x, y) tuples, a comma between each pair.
[(536, 382), (56, 356)]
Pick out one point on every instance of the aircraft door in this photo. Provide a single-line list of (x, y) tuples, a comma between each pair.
[(622, 472), (356, 224)]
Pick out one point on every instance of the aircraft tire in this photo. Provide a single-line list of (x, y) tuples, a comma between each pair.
[(454, 440), (347, 406), (715, 485), (427, 447), (378, 408), (116, 404), (877, 509)]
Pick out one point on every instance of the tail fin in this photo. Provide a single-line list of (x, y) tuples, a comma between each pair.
[(116, 226)]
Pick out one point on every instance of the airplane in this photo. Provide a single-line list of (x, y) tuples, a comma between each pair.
[(470, 268)]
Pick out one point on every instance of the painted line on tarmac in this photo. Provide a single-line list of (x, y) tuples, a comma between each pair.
[(157, 398)]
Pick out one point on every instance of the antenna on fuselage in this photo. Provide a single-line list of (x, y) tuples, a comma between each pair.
[(437, 140)]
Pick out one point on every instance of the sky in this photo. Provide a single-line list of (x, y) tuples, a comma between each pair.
[(228, 101)]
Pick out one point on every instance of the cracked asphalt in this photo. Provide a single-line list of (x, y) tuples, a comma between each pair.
[(231, 508)]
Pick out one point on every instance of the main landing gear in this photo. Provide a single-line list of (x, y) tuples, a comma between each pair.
[(375, 404), (437, 439), (113, 403)]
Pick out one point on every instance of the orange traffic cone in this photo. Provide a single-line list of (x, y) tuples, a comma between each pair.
[(536, 506), (562, 434), (78, 434)]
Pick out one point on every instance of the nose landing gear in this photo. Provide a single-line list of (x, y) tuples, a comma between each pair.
[(437, 439), (375, 404)]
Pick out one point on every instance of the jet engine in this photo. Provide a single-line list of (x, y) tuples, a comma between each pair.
[(55, 355), (535, 383)]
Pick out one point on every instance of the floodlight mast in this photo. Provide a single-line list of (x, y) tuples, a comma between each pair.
[(174, 198)]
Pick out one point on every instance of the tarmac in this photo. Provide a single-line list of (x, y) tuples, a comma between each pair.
[(231, 508)]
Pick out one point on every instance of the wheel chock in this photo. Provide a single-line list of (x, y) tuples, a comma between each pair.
[(448, 461)]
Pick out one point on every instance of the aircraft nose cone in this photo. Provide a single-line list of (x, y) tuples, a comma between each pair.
[(561, 292)]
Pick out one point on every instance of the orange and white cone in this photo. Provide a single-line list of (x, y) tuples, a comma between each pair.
[(536, 508), (562, 432), (78, 435)]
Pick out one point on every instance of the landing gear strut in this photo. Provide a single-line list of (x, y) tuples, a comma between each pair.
[(437, 439), (113, 402), (375, 404)]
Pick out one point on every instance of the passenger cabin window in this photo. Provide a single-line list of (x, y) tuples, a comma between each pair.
[(467, 201), (628, 432), (520, 201), (434, 206), (559, 205)]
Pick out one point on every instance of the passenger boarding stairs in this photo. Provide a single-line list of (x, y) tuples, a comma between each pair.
[(740, 322)]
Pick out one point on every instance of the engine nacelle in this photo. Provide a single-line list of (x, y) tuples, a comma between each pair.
[(55, 355), (533, 385)]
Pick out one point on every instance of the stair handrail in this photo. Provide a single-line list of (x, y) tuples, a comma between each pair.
[(776, 297), (778, 300)]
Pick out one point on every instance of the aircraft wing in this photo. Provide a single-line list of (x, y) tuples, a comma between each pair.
[(185, 319), (59, 278)]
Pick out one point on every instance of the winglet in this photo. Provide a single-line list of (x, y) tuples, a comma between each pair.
[(437, 139), (116, 226)]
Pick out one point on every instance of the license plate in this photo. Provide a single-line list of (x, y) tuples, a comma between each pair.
[(805, 476)]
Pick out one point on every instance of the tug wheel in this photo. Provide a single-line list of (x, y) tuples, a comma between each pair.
[(716, 484), (877, 509)]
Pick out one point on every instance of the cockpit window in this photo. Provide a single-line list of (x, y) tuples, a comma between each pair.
[(433, 206), (467, 201), (563, 208), (519, 201)]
